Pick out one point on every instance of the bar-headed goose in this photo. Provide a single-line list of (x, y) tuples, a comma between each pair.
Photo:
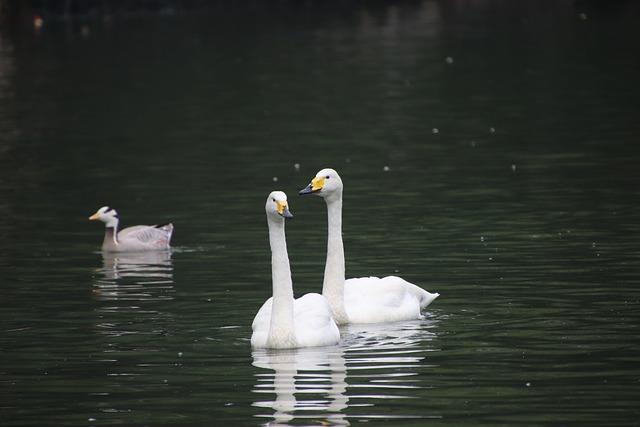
[(131, 239)]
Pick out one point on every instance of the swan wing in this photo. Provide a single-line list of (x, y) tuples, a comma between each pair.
[(260, 325), (387, 299), (314, 323)]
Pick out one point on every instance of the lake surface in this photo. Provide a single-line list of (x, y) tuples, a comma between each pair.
[(489, 152)]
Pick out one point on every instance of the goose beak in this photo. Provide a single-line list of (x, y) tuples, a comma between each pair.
[(94, 216), (314, 188)]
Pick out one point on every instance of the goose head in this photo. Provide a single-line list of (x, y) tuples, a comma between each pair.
[(277, 206), (106, 214), (327, 184)]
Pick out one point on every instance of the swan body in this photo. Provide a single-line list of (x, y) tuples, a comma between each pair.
[(365, 299), (386, 299), (282, 321), (132, 239)]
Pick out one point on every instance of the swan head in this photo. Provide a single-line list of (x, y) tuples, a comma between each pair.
[(277, 205), (326, 183), (106, 214)]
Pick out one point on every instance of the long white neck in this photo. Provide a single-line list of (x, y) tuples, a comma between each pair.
[(334, 276), (281, 330)]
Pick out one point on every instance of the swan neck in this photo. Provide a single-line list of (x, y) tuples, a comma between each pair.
[(334, 272), (281, 330)]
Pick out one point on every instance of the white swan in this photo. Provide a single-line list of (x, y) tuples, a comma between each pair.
[(282, 321), (132, 239), (365, 299)]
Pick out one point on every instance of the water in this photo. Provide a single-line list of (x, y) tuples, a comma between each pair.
[(489, 154)]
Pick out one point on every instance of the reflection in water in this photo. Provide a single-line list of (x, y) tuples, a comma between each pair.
[(131, 283), (146, 270), (307, 373), (400, 335), (387, 363), (375, 362)]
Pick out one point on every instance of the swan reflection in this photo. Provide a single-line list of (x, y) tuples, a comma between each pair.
[(308, 383), (373, 364), (388, 361)]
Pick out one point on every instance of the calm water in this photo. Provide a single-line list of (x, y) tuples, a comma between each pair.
[(489, 152)]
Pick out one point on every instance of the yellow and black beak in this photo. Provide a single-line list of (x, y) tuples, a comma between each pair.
[(315, 187), (283, 210)]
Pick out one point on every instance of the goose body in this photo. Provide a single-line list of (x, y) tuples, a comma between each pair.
[(138, 238), (282, 321), (364, 299)]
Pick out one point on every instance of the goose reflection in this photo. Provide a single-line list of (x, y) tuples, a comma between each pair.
[(143, 275), (130, 285), (309, 383), (154, 264)]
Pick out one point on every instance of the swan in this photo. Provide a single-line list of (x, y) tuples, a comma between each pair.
[(364, 299), (137, 238), (282, 321)]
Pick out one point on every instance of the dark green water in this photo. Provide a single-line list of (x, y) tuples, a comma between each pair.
[(489, 152)]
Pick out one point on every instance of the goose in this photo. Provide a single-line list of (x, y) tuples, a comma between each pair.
[(364, 299), (284, 322), (132, 239)]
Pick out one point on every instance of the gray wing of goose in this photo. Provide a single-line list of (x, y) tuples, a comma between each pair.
[(155, 235)]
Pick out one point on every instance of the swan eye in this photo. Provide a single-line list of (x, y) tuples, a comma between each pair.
[(273, 199), (328, 177)]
